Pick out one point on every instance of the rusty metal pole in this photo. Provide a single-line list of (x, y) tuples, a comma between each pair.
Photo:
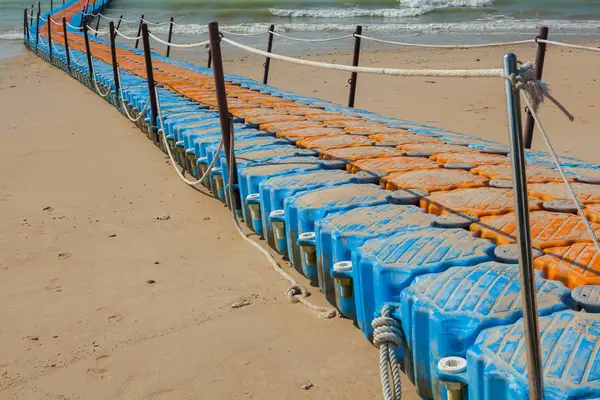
[(119, 23), (355, 61), (151, 84), (25, 26), (267, 64), (539, 69), (170, 36), (113, 53), (49, 25), (64, 23), (224, 116), (88, 52), (137, 42), (37, 31), (97, 24), (209, 62)]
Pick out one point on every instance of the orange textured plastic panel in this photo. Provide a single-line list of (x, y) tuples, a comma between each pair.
[(379, 130), (592, 212), (265, 119), (548, 229), (575, 265), (433, 180), (436, 148), (480, 202), (535, 174), (391, 164), (470, 158), (587, 194), (330, 117), (404, 138), (334, 142), (254, 112), (355, 125), (360, 153), (309, 132), (282, 126)]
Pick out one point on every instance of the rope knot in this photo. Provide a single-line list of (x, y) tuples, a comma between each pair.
[(387, 330), (296, 291), (534, 90)]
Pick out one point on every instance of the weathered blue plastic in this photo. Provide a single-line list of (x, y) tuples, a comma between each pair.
[(303, 210), (383, 268), (338, 234), (251, 176), (497, 363), (442, 314)]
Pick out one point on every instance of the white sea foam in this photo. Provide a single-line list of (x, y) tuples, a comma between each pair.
[(445, 3), (354, 12), (11, 35)]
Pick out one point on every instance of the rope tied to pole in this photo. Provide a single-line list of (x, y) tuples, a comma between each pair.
[(387, 336), (534, 92), (311, 40)]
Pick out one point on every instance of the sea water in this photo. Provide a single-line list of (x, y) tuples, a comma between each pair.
[(431, 21)]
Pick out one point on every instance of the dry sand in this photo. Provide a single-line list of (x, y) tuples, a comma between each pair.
[(80, 190)]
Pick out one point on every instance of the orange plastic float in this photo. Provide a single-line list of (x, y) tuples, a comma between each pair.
[(592, 212), (334, 142), (404, 138), (470, 158), (575, 265), (391, 164), (433, 180), (360, 153), (353, 125), (548, 229), (587, 193), (535, 174), (309, 132), (282, 126), (480, 202), (436, 148), (266, 119)]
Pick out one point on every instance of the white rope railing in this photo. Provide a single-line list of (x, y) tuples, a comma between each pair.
[(43, 19), (54, 22), (462, 73), (99, 33), (573, 46), (189, 45), (241, 34), (74, 27), (310, 40), (74, 59), (447, 46), (127, 37), (124, 107)]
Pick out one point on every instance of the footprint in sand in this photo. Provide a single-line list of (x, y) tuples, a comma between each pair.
[(115, 318), (54, 286), (100, 371)]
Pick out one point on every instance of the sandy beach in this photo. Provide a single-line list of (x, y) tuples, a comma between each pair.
[(116, 279)]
